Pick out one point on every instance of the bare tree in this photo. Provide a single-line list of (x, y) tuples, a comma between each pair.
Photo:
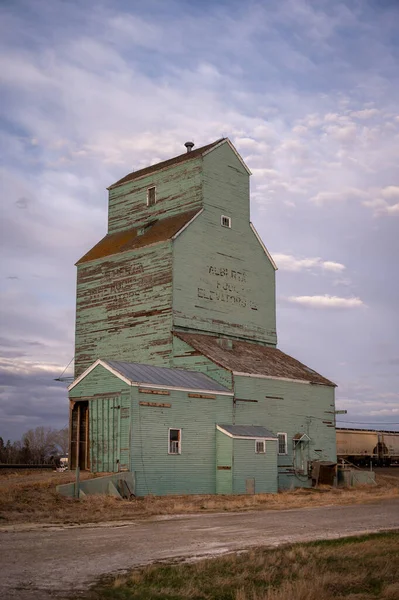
[(62, 440), (41, 442)]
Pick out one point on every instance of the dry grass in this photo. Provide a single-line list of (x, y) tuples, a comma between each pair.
[(361, 568), (30, 497)]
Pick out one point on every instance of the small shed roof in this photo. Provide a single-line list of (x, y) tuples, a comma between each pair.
[(130, 239), (247, 431), (251, 358), (162, 377)]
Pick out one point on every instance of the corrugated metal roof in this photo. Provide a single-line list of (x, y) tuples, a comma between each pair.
[(251, 431), (166, 163), (163, 376), (121, 241), (253, 359)]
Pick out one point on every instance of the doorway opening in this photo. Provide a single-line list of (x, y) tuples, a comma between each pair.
[(79, 450)]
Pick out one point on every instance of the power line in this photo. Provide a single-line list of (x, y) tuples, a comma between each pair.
[(339, 422), (371, 422)]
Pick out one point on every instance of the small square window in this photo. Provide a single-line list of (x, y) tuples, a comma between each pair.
[(282, 443), (151, 196), (260, 446), (225, 221), (174, 444)]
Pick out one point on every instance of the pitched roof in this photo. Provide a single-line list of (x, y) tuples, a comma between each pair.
[(252, 359), (141, 375), (166, 163), (129, 239), (247, 431)]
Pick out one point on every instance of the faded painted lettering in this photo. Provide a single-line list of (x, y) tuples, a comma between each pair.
[(226, 286)]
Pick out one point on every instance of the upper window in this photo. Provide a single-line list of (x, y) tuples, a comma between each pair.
[(151, 196), (282, 443), (225, 221), (174, 444), (260, 446)]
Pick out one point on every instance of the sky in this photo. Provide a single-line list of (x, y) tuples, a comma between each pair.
[(308, 93)]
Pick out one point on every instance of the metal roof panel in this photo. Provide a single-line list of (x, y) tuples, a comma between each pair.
[(248, 431), (164, 376)]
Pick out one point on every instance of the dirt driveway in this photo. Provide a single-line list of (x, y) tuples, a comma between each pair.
[(56, 561)]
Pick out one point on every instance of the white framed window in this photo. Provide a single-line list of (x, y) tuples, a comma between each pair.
[(282, 443), (260, 446), (225, 221), (174, 441), (151, 196)]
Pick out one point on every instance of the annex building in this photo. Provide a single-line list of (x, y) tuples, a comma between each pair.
[(177, 374)]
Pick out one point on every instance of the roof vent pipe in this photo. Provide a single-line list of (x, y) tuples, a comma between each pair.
[(225, 343), (189, 146)]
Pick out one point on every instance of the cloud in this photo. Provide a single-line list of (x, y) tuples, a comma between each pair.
[(382, 207), (366, 113), (339, 196), (326, 301), (392, 210), (346, 134), (287, 262), (30, 397), (115, 88), (390, 192)]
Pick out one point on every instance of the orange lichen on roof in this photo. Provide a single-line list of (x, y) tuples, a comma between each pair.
[(129, 239), (252, 359), (166, 163)]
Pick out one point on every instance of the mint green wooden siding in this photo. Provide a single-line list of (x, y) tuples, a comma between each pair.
[(104, 434), (224, 463), (124, 308), (291, 408), (249, 465), (109, 419), (98, 381), (192, 471), (178, 189), (210, 279), (223, 282), (236, 461), (110, 432), (185, 357), (125, 431)]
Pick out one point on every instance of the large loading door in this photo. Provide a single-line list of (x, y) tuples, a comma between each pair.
[(105, 427), (79, 451)]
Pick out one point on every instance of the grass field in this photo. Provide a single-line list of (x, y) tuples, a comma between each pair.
[(363, 568), (30, 497)]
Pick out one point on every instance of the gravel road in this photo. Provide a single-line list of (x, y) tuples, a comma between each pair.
[(53, 562)]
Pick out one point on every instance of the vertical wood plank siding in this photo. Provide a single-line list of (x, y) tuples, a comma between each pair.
[(105, 434), (302, 409), (110, 419), (123, 308), (178, 189), (222, 280)]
